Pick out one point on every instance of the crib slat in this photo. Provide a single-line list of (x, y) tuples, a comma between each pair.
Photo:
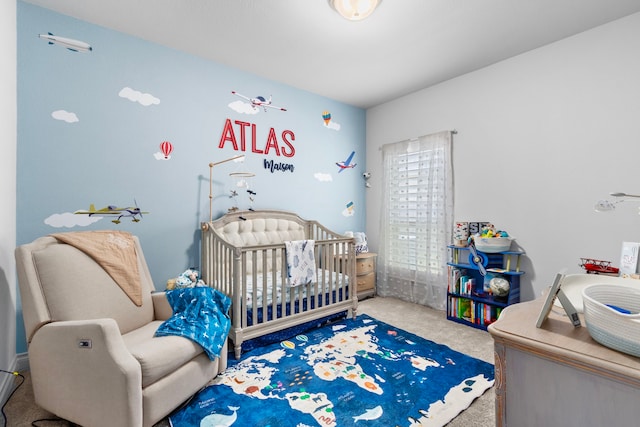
[(274, 280)]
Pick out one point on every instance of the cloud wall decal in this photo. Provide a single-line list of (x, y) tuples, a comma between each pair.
[(323, 177), (132, 95), (332, 125), (65, 116), (243, 107), (70, 220)]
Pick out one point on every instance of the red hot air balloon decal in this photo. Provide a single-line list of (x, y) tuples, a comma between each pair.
[(166, 147)]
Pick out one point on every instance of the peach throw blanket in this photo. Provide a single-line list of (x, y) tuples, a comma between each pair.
[(115, 251)]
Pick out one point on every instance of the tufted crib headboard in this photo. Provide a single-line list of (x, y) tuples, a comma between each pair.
[(257, 229), (265, 227)]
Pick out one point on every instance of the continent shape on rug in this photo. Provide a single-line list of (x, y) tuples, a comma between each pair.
[(353, 373)]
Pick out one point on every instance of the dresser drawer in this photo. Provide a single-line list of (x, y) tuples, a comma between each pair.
[(366, 282)]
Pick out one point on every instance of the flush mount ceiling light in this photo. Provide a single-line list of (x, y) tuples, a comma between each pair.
[(354, 10)]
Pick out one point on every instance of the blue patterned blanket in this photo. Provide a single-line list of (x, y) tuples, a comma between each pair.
[(199, 314)]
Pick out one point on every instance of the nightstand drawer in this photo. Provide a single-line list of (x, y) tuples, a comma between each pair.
[(366, 282), (365, 265)]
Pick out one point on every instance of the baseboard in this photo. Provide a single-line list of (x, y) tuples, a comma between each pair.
[(22, 362), (7, 381)]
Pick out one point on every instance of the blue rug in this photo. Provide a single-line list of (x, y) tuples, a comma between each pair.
[(356, 372)]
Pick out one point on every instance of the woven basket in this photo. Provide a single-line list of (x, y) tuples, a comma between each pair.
[(608, 326), (492, 245)]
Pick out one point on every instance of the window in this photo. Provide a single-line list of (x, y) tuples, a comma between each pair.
[(416, 220)]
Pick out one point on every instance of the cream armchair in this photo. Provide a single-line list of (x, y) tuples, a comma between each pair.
[(93, 356)]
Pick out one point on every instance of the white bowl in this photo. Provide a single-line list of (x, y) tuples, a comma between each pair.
[(609, 326)]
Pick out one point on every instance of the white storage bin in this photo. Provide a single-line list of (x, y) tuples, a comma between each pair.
[(608, 326), (492, 244)]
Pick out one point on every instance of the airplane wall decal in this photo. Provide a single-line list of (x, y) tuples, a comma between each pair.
[(259, 101), (71, 44), (127, 212), (347, 163)]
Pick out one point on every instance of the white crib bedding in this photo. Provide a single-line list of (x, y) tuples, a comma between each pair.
[(327, 282)]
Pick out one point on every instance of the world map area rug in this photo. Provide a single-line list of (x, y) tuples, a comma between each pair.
[(357, 372)]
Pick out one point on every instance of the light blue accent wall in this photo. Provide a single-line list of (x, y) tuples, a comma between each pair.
[(106, 157)]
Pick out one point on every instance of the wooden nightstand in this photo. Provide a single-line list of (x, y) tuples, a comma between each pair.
[(366, 274)]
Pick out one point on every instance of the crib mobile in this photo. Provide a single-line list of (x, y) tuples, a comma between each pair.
[(211, 165)]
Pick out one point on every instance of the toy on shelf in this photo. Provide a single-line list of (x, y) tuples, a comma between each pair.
[(597, 266), (499, 287), (461, 234), (477, 259)]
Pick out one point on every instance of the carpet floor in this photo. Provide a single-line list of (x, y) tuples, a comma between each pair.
[(422, 321)]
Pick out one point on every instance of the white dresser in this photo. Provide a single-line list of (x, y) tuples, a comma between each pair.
[(557, 375)]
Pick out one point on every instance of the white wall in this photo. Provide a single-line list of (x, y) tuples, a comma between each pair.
[(7, 190), (541, 137)]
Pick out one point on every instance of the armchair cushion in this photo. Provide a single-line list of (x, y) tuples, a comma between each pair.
[(158, 356), (161, 305)]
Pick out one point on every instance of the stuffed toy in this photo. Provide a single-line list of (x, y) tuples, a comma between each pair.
[(360, 239), (190, 278), (361, 242)]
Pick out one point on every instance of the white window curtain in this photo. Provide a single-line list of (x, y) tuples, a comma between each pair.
[(417, 220)]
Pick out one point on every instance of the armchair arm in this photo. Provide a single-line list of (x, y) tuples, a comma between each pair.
[(83, 371), (161, 306)]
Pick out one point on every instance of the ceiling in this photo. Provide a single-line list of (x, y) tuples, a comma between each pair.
[(406, 45)]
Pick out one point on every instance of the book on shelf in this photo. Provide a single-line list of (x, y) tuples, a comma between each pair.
[(472, 311), (459, 282), (464, 309), (453, 277)]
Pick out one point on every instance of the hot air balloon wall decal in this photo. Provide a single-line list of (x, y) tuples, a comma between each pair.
[(329, 123), (166, 148), (326, 116)]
